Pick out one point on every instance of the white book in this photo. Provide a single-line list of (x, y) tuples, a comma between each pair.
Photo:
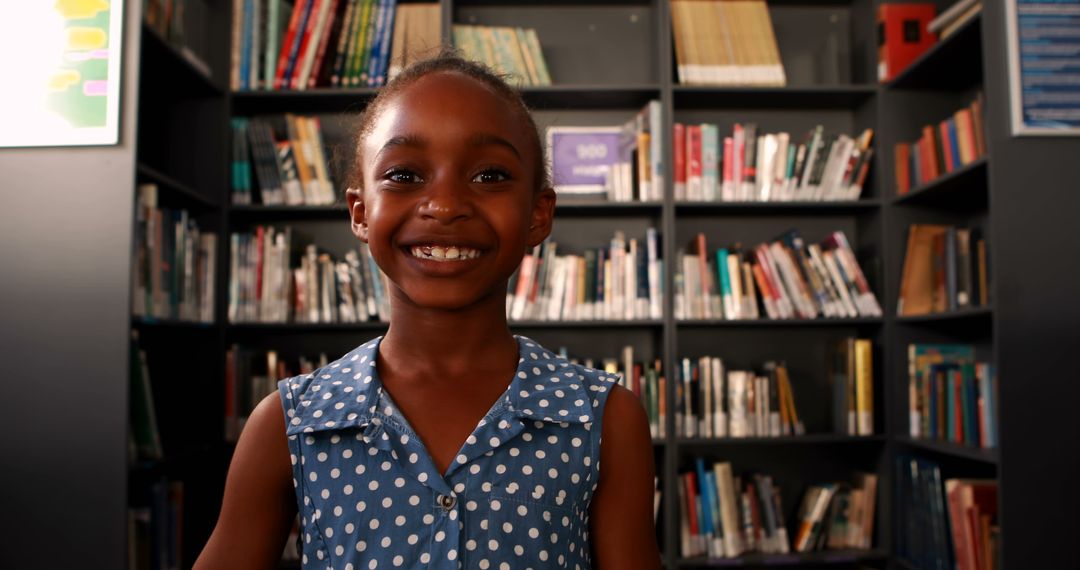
[(655, 294), (630, 274), (557, 289), (720, 421)]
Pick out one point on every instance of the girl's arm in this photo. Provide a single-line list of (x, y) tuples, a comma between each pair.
[(259, 505), (622, 531)]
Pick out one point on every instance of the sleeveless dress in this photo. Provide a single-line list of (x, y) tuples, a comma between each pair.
[(516, 496)]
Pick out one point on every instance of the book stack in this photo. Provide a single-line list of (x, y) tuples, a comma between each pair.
[(954, 18), (619, 282), (729, 42), (945, 269), (513, 52), (645, 380), (251, 375), (619, 164), (288, 157), (155, 520), (837, 515), (725, 516), (749, 166), (954, 143), (173, 263), (945, 525), (716, 402), (951, 396), (265, 287), (851, 376), (326, 43), (782, 279)]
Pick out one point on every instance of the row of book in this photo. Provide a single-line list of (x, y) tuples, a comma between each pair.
[(173, 263), (945, 269), (621, 281), (945, 525), (155, 523), (717, 402), (725, 43), (514, 52), (617, 163), (327, 43), (266, 286), (951, 396), (785, 279), (951, 144), (288, 157), (749, 166), (724, 516), (251, 375), (714, 401)]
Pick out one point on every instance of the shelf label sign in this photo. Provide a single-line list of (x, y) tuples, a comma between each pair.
[(1044, 66), (583, 159), (61, 64)]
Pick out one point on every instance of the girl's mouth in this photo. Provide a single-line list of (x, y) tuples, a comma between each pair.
[(445, 253)]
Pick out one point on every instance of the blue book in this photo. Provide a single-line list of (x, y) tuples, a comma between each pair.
[(706, 500), (725, 280), (954, 143), (382, 60), (245, 46), (367, 75)]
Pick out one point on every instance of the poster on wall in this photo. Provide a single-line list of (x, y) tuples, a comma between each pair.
[(1044, 66), (60, 60)]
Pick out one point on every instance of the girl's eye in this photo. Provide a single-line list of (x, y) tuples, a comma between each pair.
[(492, 176), (403, 176)]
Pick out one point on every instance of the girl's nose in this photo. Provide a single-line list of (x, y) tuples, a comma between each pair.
[(447, 202)]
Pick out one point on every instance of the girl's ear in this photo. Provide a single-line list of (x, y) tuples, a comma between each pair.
[(357, 213), (543, 213)]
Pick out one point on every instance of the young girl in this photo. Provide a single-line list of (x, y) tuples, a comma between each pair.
[(447, 442)]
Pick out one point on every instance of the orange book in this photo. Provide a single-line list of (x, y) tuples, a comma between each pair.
[(902, 152)]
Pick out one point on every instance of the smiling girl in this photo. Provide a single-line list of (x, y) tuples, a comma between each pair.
[(448, 442)]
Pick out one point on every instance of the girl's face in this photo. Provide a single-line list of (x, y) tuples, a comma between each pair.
[(448, 205)]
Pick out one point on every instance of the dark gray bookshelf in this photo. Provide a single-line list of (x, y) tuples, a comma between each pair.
[(609, 58)]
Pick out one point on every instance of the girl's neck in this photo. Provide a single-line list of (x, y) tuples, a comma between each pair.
[(451, 342)]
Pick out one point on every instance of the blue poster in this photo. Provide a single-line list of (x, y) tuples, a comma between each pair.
[(1044, 66)]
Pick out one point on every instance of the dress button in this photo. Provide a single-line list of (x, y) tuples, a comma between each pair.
[(447, 502)]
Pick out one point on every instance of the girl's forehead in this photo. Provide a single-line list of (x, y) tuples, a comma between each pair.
[(446, 105)]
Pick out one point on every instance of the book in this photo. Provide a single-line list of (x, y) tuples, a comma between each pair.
[(289, 158), (902, 36), (953, 143)]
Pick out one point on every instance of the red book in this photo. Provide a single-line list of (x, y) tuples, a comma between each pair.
[(320, 53), (259, 236), (933, 153), (286, 44), (679, 138), (903, 168), (950, 160), (729, 157), (693, 166), (637, 380), (690, 485), (902, 36)]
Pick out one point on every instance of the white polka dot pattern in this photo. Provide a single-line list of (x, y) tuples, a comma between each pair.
[(516, 495)]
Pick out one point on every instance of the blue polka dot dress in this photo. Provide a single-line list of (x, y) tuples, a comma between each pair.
[(516, 496)]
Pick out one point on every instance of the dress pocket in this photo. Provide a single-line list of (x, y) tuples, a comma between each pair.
[(527, 533)]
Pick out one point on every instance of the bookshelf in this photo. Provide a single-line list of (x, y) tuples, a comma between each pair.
[(609, 58)]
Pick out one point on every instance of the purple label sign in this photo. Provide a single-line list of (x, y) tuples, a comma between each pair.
[(583, 158)]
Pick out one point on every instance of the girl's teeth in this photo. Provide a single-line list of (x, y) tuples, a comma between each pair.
[(451, 253)]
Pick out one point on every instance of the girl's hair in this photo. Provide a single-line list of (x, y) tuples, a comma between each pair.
[(448, 60)]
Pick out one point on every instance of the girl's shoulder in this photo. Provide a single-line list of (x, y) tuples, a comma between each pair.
[(333, 396)]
